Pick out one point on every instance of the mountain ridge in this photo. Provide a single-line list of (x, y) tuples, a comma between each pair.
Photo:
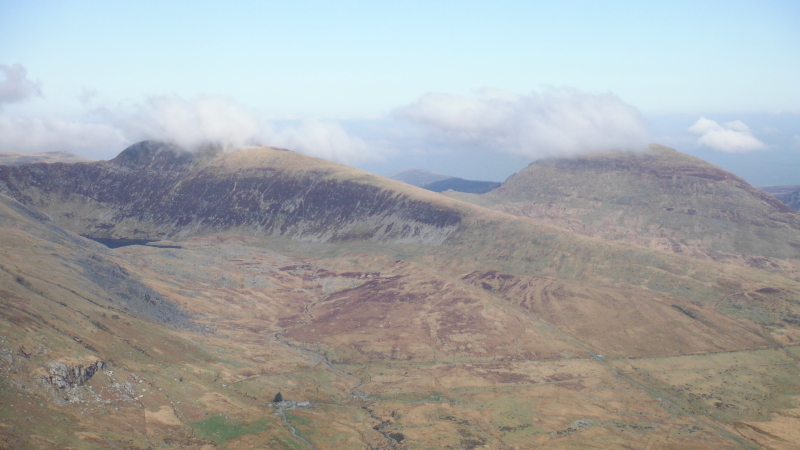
[(438, 183), (288, 277), (19, 158), (152, 186)]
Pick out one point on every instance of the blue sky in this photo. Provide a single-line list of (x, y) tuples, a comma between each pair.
[(385, 85)]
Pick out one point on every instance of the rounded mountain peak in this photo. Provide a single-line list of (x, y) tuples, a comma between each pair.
[(153, 153)]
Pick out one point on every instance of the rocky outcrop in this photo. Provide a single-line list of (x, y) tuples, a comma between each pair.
[(131, 294), (67, 373)]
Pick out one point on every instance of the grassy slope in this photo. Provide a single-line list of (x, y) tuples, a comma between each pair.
[(425, 331)]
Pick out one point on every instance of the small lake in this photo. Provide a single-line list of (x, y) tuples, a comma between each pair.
[(117, 243)]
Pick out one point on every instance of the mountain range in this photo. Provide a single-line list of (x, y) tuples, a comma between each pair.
[(790, 195), (614, 300), (440, 183), (18, 158)]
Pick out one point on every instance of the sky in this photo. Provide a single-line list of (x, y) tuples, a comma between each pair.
[(471, 89)]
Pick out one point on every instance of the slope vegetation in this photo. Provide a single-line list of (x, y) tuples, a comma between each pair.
[(388, 316)]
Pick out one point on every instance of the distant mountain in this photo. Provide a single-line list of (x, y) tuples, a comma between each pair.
[(439, 183), (417, 177), (787, 194), (19, 159), (462, 185), (659, 198)]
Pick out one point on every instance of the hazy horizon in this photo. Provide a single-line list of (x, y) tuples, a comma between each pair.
[(471, 90)]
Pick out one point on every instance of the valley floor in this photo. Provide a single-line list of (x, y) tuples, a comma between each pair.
[(364, 358)]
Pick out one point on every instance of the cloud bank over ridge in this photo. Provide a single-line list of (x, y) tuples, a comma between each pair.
[(557, 122), (40, 134), (188, 123), (105, 131), (218, 119)]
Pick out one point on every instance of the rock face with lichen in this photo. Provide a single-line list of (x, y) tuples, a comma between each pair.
[(67, 374)]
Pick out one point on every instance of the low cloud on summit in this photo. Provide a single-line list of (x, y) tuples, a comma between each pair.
[(219, 119), (731, 137), (324, 139), (104, 131), (188, 123), (551, 122), (556, 122)]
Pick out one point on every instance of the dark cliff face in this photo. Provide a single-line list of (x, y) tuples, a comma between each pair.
[(120, 181), (272, 200), (164, 191)]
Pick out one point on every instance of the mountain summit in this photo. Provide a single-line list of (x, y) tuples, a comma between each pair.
[(659, 198)]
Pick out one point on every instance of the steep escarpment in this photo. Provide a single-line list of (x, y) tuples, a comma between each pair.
[(306, 205), (140, 175), (156, 190), (87, 265)]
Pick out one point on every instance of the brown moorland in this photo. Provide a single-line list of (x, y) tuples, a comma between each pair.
[(386, 315)]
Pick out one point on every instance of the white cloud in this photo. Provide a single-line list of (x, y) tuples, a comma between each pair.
[(557, 122), (222, 120), (16, 86), (732, 137), (188, 123), (30, 135), (325, 140)]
